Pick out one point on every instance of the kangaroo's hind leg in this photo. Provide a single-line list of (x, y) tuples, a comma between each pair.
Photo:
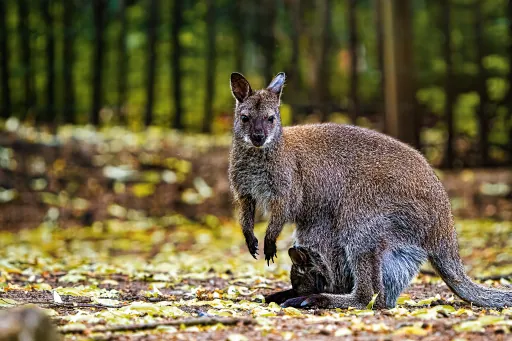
[(399, 267)]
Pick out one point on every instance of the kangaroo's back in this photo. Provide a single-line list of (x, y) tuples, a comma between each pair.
[(342, 167)]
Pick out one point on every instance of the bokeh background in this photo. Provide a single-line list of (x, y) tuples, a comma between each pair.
[(127, 102), (167, 63)]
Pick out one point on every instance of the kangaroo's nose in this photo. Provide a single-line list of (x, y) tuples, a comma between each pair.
[(259, 136), (258, 139)]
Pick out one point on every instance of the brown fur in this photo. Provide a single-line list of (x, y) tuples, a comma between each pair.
[(350, 191)]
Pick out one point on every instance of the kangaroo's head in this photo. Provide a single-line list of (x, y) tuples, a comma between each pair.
[(257, 119), (309, 273)]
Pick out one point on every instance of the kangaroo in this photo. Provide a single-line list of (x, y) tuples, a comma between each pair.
[(310, 274), (355, 195)]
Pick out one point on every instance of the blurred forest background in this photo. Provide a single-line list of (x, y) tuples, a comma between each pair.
[(433, 73)]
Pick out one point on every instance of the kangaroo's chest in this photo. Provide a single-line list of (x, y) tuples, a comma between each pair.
[(254, 180)]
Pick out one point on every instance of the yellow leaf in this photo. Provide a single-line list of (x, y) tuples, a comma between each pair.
[(291, 311), (372, 302), (143, 189)]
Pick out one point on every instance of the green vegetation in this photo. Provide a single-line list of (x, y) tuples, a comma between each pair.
[(88, 61)]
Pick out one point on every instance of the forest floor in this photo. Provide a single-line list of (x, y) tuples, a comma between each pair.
[(140, 276), (124, 236)]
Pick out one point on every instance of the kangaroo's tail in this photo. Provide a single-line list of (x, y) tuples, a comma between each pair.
[(449, 266)]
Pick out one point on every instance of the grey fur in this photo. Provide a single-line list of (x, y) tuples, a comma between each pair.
[(355, 196)]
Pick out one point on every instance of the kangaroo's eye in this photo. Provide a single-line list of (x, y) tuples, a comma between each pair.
[(271, 119), (244, 118)]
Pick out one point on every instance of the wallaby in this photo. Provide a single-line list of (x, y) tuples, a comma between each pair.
[(355, 195), (310, 274)]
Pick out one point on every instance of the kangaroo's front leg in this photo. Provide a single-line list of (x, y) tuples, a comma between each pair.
[(367, 276), (275, 226), (247, 211)]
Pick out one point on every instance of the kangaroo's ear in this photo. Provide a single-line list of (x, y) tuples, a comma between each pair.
[(240, 87), (298, 256), (277, 84)]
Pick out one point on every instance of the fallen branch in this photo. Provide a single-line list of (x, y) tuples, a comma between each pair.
[(74, 304), (495, 277), (428, 272), (204, 321)]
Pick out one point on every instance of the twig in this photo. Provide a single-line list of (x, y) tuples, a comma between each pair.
[(205, 321), (428, 272), (75, 304), (494, 277)]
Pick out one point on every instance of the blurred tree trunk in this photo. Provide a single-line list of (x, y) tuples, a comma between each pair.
[(268, 14), (210, 66), (152, 37), (293, 72), (380, 53), (239, 28), (402, 120), (68, 61), (483, 114), (323, 72), (49, 113), (177, 23), (24, 33), (354, 81), (122, 62), (4, 63), (448, 86), (97, 63), (509, 99)]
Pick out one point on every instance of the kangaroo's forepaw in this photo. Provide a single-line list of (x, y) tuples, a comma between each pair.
[(270, 250), (252, 245)]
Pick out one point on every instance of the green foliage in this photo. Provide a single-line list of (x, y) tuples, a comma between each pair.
[(427, 44)]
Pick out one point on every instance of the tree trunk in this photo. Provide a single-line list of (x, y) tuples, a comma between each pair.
[(402, 120), (68, 59), (448, 86), (152, 37), (483, 115), (354, 81), (323, 73), (177, 23), (49, 113), (97, 63), (293, 72), (24, 33), (239, 28), (380, 53), (509, 96), (4, 64), (268, 13), (122, 63), (210, 66)]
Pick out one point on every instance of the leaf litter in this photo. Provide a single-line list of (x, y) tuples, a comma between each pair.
[(84, 282)]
